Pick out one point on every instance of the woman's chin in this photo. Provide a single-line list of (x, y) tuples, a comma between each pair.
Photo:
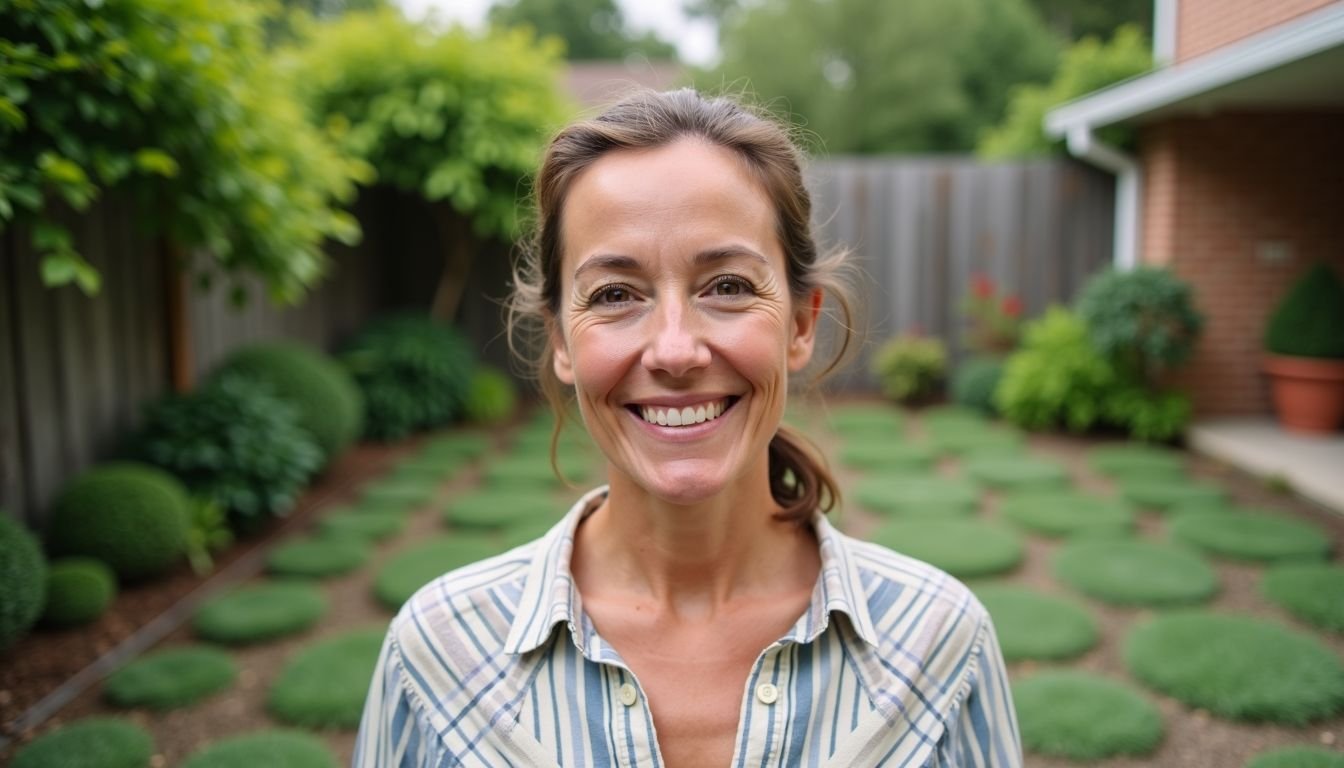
[(683, 482)]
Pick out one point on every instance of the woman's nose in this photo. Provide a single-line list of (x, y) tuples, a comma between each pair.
[(676, 345)]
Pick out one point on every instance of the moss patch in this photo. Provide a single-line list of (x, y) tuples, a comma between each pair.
[(401, 576), (918, 496), (1136, 461), (1298, 757), (400, 493), (1064, 513), (1084, 717), (890, 455), (324, 686), (1031, 625), (273, 747), (1169, 492), (1017, 473), (95, 742), (1313, 592), (1237, 667), (853, 421), (369, 526), (978, 441), (963, 548), (171, 678), (1251, 535), (500, 509), (317, 557), (1132, 572), (260, 612)]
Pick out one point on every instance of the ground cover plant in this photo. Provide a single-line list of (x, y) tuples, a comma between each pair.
[(324, 685), (272, 747), (370, 526), (1298, 757), (1133, 572), (1250, 535), (1066, 512), (260, 612), (1126, 459), (901, 495), (1165, 493), (963, 548), (1031, 625), (1017, 473), (171, 678), (317, 557), (1313, 592), (888, 453), (1084, 717), (500, 509), (96, 742), (400, 577)]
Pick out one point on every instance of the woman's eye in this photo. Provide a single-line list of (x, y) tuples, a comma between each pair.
[(611, 294), (730, 286)]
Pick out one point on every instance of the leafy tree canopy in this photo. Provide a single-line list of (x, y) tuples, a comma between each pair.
[(1075, 19), (591, 29)]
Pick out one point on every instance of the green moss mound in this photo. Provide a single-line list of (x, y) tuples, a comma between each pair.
[(526, 533), (171, 678), (401, 576), (963, 548), (260, 612), (324, 686), (918, 496), (1083, 717), (317, 557), (1166, 493), (369, 526), (23, 580), (263, 749), (1298, 757), (131, 516), (1066, 513), (1031, 625), (494, 509), (952, 418), (1251, 535), (404, 494), (329, 404), (979, 441), (454, 448), (1237, 667), (79, 590), (1313, 592), (892, 455), (95, 742), (1136, 461), (531, 471), (1132, 572), (1017, 473), (875, 420)]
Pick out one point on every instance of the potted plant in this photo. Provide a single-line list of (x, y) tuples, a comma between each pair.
[(1305, 341)]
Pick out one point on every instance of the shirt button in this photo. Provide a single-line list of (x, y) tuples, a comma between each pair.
[(629, 695), (767, 693)]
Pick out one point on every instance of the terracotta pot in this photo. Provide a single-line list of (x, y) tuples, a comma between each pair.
[(1308, 392)]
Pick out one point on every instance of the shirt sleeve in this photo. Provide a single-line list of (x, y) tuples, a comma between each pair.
[(390, 735), (985, 732)]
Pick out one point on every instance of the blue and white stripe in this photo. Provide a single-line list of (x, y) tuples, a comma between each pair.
[(895, 663)]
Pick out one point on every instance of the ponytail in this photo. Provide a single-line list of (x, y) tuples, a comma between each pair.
[(800, 479)]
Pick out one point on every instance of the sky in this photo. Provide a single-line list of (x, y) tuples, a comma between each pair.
[(694, 38)]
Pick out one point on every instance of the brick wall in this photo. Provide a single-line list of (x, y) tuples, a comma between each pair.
[(1216, 190), (1203, 25)]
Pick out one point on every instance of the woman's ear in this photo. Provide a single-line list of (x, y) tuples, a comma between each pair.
[(804, 328), (560, 361)]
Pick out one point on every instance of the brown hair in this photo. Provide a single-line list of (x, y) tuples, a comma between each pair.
[(800, 480)]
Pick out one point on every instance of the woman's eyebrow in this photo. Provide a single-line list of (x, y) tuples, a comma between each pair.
[(607, 261), (714, 255)]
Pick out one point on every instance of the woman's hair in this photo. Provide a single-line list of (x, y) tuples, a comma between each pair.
[(800, 479)]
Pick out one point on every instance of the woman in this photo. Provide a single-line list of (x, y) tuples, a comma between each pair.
[(699, 610)]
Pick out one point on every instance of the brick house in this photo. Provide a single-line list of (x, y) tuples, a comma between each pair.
[(1236, 180)]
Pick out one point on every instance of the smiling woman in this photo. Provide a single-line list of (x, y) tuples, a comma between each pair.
[(698, 609)]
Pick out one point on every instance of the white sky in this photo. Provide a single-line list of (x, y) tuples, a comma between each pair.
[(694, 38)]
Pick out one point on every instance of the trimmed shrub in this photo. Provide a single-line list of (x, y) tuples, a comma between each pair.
[(322, 393), (401, 576), (500, 509), (1143, 320), (317, 558), (23, 580), (1084, 717), (1065, 513), (171, 678), (79, 590), (415, 374), (1298, 757), (1167, 493), (1237, 667), (1031, 625), (271, 747), (131, 516), (918, 496), (1132, 572), (324, 685), (1313, 592), (963, 548), (492, 397), (260, 612), (94, 742), (910, 368), (1307, 320), (1251, 535), (974, 383), (1017, 473), (235, 442)]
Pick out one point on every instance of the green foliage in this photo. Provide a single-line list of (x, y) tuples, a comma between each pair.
[(94, 742), (1167, 492), (590, 29), (415, 374), (321, 391), (994, 322), (1310, 591), (1298, 757), (370, 526), (324, 685), (1017, 472), (910, 368), (452, 115), (177, 103), (1251, 535), (171, 678), (1146, 415), (492, 398), (23, 580), (1133, 572), (1088, 65), (1083, 717), (1237, 667), (79, 590), (1308, 319), (317, 558), (131, 516), (1064, 513), (866, 420), (963, 548), (407, 572), (500, 509), (1135, 459), (1031, 625), (260, 612), (1143, 320), (1057, 378), (209, 532), (271, 747), (235, 442), (974, 382), (889, 455)]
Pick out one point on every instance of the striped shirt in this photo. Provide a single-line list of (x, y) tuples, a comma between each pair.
[(895, 663)]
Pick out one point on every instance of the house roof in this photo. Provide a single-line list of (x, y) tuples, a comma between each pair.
[(1298, 64)]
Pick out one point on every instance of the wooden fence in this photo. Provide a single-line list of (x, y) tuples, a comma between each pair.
[(76, 372)]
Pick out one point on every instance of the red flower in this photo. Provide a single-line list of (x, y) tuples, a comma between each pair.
[(982, 286), (1012, 306)]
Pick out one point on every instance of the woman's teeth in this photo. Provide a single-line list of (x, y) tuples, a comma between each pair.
[(683, 417)]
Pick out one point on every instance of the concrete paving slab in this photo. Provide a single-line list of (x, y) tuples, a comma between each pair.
[(1313, 466)]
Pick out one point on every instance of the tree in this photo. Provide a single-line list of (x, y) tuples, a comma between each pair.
[(1075, 19), (871, 76), (591, 29)]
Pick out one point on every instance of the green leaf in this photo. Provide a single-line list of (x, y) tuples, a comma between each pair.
[(156, 161)]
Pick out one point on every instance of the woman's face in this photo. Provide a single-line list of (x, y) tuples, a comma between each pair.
[(676, 326)]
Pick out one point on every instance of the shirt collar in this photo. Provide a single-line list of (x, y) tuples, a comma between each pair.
[(550, 597)]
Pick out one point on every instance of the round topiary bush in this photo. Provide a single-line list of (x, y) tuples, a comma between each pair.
[(500, 509), (888, 455), (401, 576), (1136, 461), (1307, 320), (1083, 717), (271, 747), (1142, 320), (1237, 667), (131, 516), (260, 612), (1064, 513), (1313, 592), (171, 678), (1166, 493), (324, 686), (79, 590), (492, 398), (1017, 473), (23, 580), (964, 548), (94, 742), (1251, 535), (974, 382), (317, 557), (1132, 572), (918, 496), (370, 526), (1298, 757), (1031, 625)]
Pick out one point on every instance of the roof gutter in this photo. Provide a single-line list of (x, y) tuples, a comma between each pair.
[(1083, 144)]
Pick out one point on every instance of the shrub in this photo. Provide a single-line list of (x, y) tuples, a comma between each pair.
[(209, 532), (1142, 320), (79, 590), (23, 580), (324, 685), (131, 516), (415, 374), (324, 397), (1056, 378), (1084, 717), (1307, 320), (492, 397), (1154, 416), (235, 442), (271, 747), (171, 678), (910, 368), (95, 742), (974, 382)]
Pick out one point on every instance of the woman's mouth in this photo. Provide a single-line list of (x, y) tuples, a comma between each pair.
[(687, 416)]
